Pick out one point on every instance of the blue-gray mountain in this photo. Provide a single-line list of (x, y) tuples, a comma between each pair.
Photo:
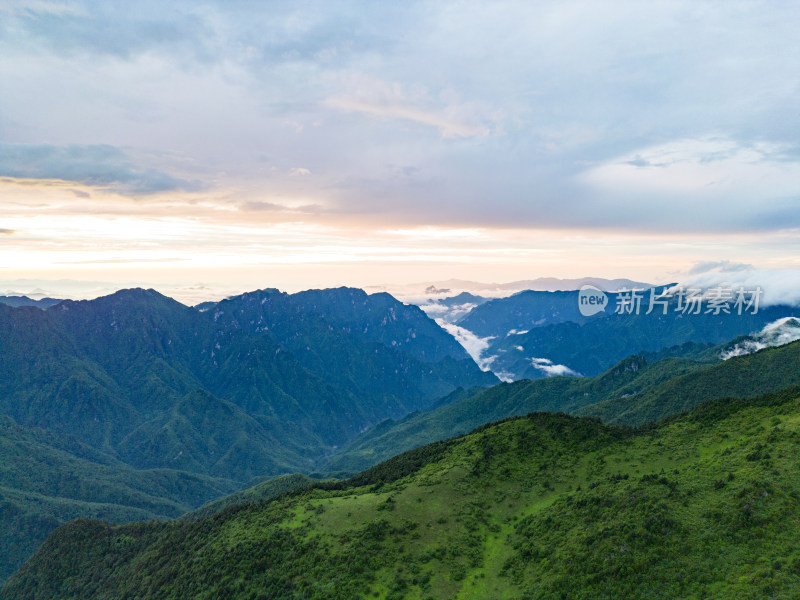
[(548, 325), (260, 384), (26, 301)]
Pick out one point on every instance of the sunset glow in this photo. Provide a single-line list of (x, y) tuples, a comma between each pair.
[(365, 145)]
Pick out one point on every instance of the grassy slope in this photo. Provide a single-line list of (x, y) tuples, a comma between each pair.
[(265, 490), (546, 506)]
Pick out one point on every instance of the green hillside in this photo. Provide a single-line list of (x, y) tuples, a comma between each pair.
[(265, 490), (632, 392), (545, 506), (743, 376), (554, 394), (133, 373), (258, 385), (49, 479)]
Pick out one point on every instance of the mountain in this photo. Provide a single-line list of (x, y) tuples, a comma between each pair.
[(451, 309), (744, 376), (632, 392), (376, 347), (270, 488), (48, 479), (593, 345), (542, 506), (541, 284), (463, 298), (137, 373), (258, 385), (515, 315), (25, 301)]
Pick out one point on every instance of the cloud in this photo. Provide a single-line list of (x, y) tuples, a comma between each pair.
[(99, 29), (722, 266), (549, 369), (259, 205), (449, 313), (548, 115), (474, 345), (705, 183), (779, 286), (447, 126), (101, 166), (117, 260), (299, 172), (7, 231), (382, 99), (778, 333)]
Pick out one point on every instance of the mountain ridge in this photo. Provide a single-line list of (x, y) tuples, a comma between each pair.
[(535, 506), (153, 384), (632, 392)]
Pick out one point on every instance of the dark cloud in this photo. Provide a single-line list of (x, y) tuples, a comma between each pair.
[(99, 166)]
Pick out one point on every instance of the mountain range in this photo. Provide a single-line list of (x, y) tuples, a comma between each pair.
[(537, 334), (633, 392), (141, 385), (26, 301), (135, 407), (542, 506)]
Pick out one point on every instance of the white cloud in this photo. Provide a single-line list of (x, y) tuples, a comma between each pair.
[(738, 184), (549, 369), (474, 345), (779, 286), (778, 333), (723, 266), (449, 314)]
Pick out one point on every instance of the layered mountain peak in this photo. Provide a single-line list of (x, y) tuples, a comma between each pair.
[(350, 312), (131, 301)]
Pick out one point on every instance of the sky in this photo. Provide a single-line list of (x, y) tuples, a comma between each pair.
[(207, 148)]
